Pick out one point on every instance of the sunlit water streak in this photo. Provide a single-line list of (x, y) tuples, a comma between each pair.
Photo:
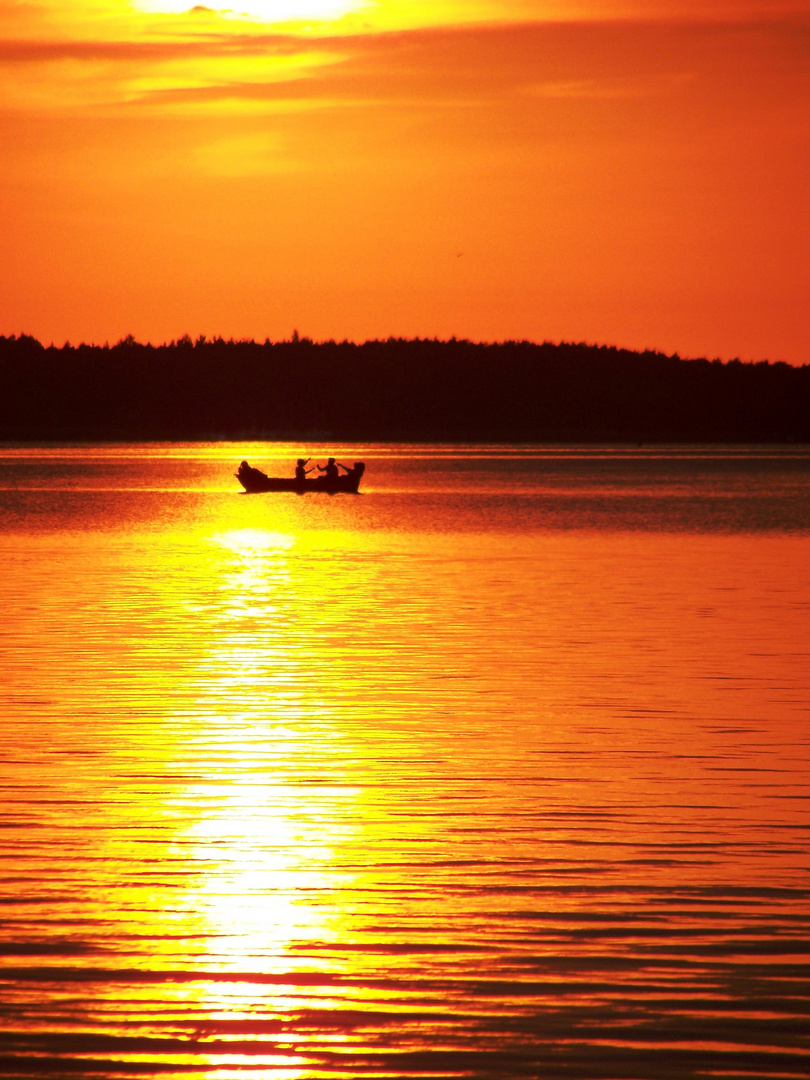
[(498, 769)]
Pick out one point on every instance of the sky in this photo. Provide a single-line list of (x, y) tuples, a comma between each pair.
[(620, 172)]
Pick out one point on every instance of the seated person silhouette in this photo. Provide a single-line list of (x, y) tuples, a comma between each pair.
[(301, 472), (331, 470), (247, 472)]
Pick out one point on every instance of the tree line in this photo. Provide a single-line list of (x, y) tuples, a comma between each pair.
[(396, 389)]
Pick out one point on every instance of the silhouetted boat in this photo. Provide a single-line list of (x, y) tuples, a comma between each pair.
[(255, 481)]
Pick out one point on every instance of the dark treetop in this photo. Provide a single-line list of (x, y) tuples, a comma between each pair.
[(397, 389)]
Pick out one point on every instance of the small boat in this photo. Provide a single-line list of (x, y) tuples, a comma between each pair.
[(254, 481)]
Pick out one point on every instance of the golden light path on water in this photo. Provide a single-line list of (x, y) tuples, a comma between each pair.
[(499, 769)]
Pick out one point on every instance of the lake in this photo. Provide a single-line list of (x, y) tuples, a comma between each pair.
[(500, 768)]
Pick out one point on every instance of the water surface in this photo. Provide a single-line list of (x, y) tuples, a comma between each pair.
[(498, 769)]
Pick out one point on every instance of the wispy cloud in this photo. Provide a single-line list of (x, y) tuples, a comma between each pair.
[(435, 66)]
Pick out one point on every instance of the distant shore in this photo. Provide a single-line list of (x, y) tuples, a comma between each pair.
[(413, 390)]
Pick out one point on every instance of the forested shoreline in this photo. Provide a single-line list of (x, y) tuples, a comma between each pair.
[(397, 389)]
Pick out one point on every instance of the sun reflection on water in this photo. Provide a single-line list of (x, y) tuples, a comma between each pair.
[(268, 828), (266, 873)]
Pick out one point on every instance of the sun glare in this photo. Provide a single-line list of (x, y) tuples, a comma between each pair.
[(266, 11)]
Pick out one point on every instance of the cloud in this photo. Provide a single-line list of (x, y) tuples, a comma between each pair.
[(65, 75), (461, 67)]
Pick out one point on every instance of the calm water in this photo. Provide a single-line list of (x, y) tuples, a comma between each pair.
[(499, 769)]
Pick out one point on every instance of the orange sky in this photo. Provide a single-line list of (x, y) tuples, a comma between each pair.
[(570, 170)]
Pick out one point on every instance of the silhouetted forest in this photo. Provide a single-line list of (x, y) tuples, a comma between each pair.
[(392, 390)]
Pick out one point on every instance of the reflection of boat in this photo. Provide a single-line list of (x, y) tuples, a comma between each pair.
[(255, 481)]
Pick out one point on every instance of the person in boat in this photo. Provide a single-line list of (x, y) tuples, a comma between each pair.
[(245, 472), (301, 470), (331, 469)]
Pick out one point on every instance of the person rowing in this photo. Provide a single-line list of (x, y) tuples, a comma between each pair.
[(301, 470), (331, 469)]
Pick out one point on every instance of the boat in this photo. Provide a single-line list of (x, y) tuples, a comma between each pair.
[(255, 481)]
